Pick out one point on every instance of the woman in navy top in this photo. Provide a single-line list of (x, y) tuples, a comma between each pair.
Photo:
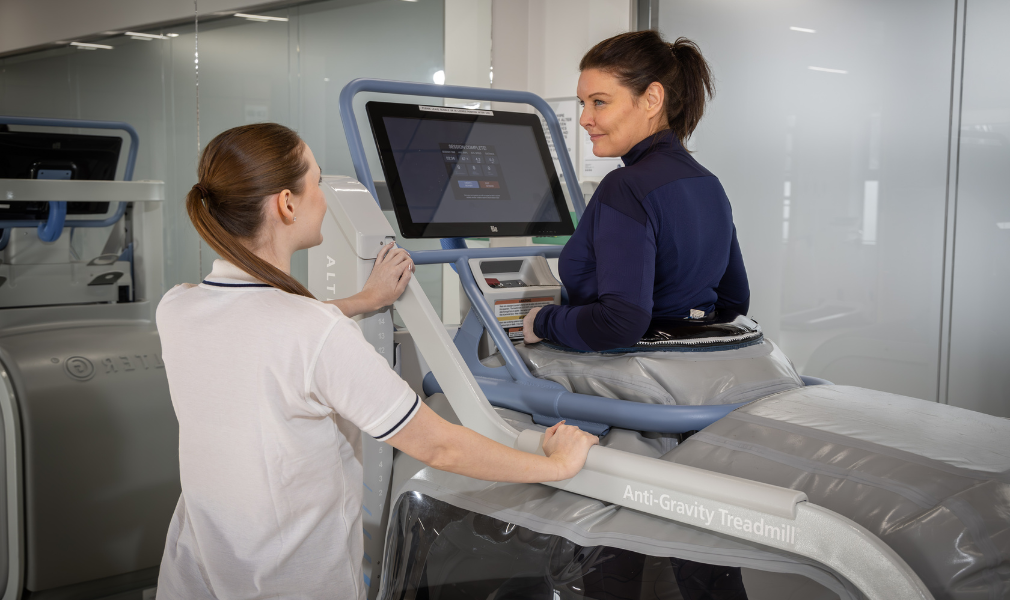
[(657, 240)]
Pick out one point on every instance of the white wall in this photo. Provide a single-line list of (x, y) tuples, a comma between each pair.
[(468, 45), (536, 45)]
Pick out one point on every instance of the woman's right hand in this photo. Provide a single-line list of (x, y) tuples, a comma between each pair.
[(567, 446)]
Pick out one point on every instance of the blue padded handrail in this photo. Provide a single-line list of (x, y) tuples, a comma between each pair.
[(513, 362), (56, 221), (434, 257), (458, 258), (595, 410), (529, 394), (407, 88)]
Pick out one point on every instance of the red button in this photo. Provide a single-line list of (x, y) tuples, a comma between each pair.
[(491, 281)]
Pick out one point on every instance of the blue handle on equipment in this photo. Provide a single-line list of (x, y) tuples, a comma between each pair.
[(57, 216), (50, 230)]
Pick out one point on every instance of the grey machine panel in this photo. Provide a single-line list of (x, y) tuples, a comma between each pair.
[(932, 481), (100, 448)]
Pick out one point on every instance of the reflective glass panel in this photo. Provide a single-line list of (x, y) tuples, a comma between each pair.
[(829, 131)]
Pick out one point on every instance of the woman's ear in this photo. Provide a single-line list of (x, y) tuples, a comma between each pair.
[(284, 204), (655, 99)]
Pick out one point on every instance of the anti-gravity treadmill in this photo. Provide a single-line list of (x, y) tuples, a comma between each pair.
[(815, 491)]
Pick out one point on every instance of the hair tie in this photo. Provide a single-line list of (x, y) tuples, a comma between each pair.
[(204, 193)]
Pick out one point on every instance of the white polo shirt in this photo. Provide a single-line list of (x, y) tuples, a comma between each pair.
[(271, 391)]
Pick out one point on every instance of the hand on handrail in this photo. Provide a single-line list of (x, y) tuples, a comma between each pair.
[(390, 274)]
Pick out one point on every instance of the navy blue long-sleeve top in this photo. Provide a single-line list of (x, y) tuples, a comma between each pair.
[(656, 240)]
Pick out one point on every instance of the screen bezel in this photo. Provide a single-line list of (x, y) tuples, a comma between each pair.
[(378, 110)]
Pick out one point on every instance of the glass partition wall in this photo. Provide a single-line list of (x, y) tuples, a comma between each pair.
[(289, 70), (831, 131)]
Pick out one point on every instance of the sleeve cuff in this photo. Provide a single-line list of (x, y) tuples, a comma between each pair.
[(538, 321), (397, 419)]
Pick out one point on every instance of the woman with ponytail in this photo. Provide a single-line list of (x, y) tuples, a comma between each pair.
[(273, 388), (657, 240)]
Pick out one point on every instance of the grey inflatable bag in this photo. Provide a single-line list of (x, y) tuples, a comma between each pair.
[(668, 376), (931, 480)]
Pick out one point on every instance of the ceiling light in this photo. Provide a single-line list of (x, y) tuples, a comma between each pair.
[(86, 46), (827, 70), (171, 35), (145, 36), (439, 77), (802, 30), (260, 18)]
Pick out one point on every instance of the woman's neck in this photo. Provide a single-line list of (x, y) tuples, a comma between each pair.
[(278, 257)]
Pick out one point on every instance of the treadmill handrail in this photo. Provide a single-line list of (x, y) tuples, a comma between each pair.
[(459, 258), (431, 90), (754, 495), (131, 161), (434, 257)]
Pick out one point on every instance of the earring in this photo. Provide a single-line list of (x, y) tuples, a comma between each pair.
[(293, 219)]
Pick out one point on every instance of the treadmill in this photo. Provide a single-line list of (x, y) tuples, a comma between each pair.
[(627, 523)]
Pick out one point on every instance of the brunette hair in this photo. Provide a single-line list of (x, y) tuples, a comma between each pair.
[(238, 170), (639, 58)]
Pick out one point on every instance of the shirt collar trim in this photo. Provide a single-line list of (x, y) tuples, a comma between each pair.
[(226, 275)]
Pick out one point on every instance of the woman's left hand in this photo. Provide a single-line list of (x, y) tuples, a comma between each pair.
[(528, 336), (389, 276)]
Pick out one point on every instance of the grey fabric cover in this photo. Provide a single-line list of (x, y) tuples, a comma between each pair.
[(667, 376), (930, 480)]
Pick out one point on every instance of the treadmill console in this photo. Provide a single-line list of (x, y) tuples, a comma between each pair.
[(454, 172), (515, 286)]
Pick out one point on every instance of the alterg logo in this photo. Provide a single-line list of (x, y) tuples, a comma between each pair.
[(83, 369), (79, 368), (494, 229)]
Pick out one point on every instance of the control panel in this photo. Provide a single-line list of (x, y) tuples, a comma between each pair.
[(515, 286)]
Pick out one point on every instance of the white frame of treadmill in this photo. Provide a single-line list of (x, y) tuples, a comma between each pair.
[(825, 536)]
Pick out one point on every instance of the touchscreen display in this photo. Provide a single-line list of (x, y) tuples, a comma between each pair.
[(459, 172), (456, 172)]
